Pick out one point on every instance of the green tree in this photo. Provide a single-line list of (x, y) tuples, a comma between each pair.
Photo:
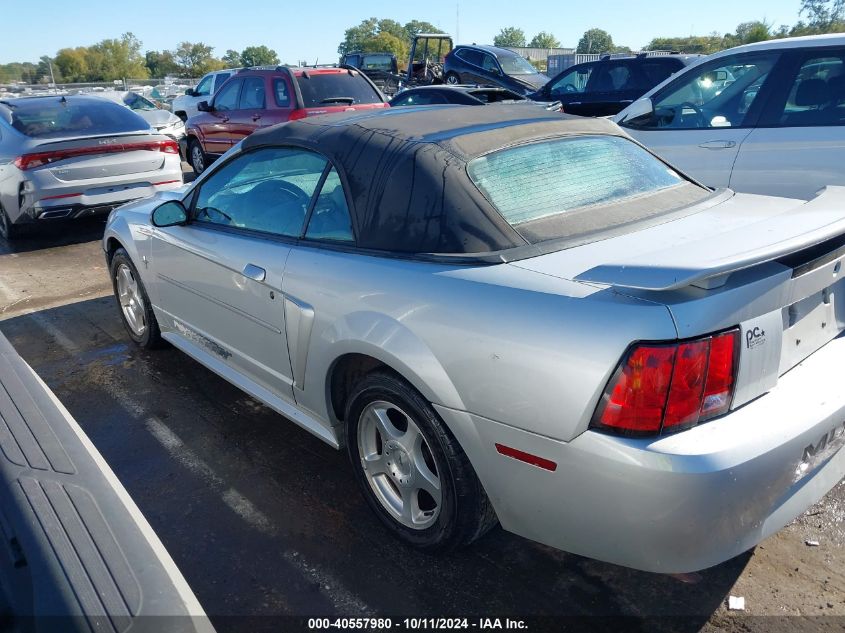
[(354, 37), (415, 27), (544, 40), (259, 56), (232, 59), (161, 63), (510, 36), (72, 64), (825, 16), (117, 59), (386, 42), (595, 41), (195, 59), (704, 44)]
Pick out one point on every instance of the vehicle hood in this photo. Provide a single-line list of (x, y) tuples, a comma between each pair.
[(158, 118), (535, 82), (722, 235)]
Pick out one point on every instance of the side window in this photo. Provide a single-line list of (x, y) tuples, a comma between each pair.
[(470, 56), (268, 190), (423, 97), (282, 93), (220, 79), (227, 98), (573, 81), (330, 219), (489, 64), (656, 70), (252, 95), (353, 60), (718, 94), (612, 77), (817, 96), (204, 87)]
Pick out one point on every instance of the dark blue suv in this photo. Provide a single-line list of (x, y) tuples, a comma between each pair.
[(491, 65)]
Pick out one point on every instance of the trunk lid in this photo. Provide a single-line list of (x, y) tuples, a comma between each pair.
[(99, 157), (770, 265)]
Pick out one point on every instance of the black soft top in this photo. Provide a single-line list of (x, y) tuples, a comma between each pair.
[(405, 170)]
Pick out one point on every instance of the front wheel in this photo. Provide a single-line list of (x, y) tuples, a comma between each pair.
[(196, 156), (453, 79), (411, 470), (136, 312)]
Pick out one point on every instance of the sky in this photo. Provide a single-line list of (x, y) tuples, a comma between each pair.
[(311, 30)]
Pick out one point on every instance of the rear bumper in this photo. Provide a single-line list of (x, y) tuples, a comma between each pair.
[(679, 503), (101, 203)]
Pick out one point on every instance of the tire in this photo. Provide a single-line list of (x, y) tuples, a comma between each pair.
[(197, 156), (402, 452), (8, 231), (452, 78), (136, 312)]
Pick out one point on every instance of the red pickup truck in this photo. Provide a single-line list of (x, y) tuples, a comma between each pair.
[(258, 97)]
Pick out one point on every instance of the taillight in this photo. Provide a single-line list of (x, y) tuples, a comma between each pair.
[(299, 113), (38, 159), (669, 387)]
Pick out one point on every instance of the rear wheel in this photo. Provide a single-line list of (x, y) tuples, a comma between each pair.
[(196, 156), (411, 470), (453, 78), (136, 312), (8, 230)]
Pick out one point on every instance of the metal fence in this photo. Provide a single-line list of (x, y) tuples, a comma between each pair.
[(161, 89), (556, 64)]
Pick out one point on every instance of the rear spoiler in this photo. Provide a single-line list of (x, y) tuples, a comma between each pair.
[(705, 264)]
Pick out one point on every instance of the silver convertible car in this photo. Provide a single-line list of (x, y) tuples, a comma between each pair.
[(511, 315)]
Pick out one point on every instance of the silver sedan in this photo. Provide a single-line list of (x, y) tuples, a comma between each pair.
[(76, 156), (512, 316)]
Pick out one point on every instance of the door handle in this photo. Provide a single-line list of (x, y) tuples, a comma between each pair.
[(255, 117), (225, 119), (627, 101), (718, 145), (254, 272), (573, 103)]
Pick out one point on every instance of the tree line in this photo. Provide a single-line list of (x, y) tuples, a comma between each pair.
[(122, 58)]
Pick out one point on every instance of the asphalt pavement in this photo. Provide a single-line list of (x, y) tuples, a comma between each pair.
[(265, 520)]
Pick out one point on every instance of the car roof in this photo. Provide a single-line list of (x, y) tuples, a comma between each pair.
[(495, 50), (299, 71), (405, 169)]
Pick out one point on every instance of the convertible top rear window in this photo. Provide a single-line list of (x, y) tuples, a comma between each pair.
[(567, 186)]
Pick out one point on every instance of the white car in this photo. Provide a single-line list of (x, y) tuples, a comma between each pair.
[(763, 118), (185, 106)]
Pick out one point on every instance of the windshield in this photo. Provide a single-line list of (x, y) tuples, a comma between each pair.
[(137, 102), (516, 65), (567, 186), (377, 62), (57, 118), (331, 89)]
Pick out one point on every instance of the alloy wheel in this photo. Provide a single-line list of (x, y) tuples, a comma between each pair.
[(197, 158), (398, 465), (131, 302)]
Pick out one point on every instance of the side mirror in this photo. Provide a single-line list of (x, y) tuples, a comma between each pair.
[(189, 92), (641, 108), (203, 106), (171, 213)]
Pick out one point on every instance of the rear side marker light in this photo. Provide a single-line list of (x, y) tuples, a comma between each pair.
[(528, 458), (670, 387), (166, 182), (39, 159), (64, 195)]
